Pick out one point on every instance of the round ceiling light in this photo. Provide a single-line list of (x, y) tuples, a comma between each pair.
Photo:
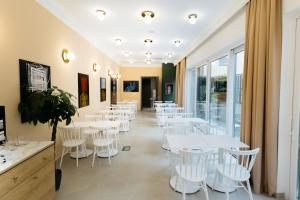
[(148, 61), (193, 18), (131, 61), (100, 14), (170, 54), (148, 16), (127, 53), (148, 42), (118, 41), (177, 43), (148, 54)]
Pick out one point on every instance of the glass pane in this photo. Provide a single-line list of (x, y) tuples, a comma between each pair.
[(191, 95), (218, 92), (201, 102), (239, 64)]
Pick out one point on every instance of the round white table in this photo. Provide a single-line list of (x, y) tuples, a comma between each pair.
[(101, 125)]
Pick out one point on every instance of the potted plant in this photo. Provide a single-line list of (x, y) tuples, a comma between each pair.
[(50, 106)]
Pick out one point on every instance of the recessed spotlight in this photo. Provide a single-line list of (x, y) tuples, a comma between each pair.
[(148, 61), (177, 43), (101, 14), (131, 61), (193, 18), (127, 53), (148, 42), (118, 41), (165, 62), (148, 16), (170, 54), (148, 54)]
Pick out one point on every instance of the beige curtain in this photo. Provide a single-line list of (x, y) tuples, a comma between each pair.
[(261, 83), (180, 78)]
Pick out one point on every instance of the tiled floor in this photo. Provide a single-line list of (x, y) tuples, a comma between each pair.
[(139, 174)]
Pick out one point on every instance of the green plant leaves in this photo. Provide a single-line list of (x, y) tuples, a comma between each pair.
[(51, 106)]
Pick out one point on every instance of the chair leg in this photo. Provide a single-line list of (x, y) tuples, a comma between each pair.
[(108, 150), (77, 156), (249, 190), (176, 183), (94, 155), (183, 190), (62, 156), (215, 180)]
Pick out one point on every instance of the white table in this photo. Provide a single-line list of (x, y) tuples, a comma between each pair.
[(101, 125), (189, 119), (177, 142)]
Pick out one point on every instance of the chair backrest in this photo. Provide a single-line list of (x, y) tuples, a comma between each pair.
[(194, 163), (237, 164), (69, 134), (99, 134)]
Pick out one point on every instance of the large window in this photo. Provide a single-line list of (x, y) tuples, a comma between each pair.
[(218, 91), (201, 101), (239, 66)]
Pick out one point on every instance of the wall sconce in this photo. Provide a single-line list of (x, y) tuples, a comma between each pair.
[(96, 67), (67, 56), (113, 75)]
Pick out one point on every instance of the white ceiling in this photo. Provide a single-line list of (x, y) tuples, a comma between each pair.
[(123, 20)]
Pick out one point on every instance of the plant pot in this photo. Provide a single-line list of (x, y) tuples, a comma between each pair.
[(58, 175)]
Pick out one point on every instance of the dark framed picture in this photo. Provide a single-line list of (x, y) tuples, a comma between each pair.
[(102, 89), (83, 90), (169, 88), (2, 125), (130, 86), (33, 77)]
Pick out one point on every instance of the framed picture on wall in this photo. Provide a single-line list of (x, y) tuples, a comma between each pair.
[(83, 90), (33, 77), (102, 89), (169, 88), (130, 86), (2, 125)]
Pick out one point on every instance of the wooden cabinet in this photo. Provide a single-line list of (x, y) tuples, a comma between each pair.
[(31, 179)]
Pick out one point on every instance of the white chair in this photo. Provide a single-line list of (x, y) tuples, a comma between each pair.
[(101, 139), (71, 138), (192, 168), (236, 165)]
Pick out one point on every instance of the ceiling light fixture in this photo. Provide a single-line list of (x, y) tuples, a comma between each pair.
[(100, 14), (148, 61), (177, 43), (67, 56), (148, 54), (148, 16), (131, 61), (127, 53), (96, 67), (170, 54), (148, 42), (193, 18), (118, 41)]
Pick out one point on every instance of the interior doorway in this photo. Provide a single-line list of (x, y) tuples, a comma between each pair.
[(149, 92)]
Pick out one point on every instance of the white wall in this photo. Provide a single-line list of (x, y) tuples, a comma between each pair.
[(231, 34), (291, 10)]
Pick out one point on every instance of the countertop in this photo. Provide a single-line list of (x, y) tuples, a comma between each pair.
[(12, 154)]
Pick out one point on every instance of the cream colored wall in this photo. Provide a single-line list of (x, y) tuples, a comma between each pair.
[(136, 74), (28, 31)]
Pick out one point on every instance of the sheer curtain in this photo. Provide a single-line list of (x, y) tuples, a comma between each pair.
[(190, 91)]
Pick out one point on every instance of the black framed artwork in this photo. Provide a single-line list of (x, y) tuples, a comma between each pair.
[(83, 90), (102, 89), (33, 77), (2, 125), (130, 86), (169, 88)]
